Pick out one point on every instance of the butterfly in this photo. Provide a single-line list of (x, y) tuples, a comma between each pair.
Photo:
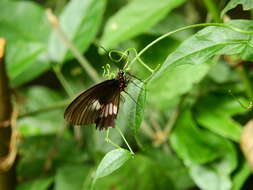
[(98, 105)]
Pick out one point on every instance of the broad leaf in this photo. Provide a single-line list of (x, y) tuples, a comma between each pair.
[(45, 122), (26, 41), (79, 21), (215, 112), (246, 4), (216, 175), (209, 178), (203, 153), (132, 110), (156, 171), (177, 81), (207, 43), (111, 162), (135, 18), (26, 61), (191, 143)]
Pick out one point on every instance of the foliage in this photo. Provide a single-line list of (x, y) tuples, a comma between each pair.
[(183, 113)]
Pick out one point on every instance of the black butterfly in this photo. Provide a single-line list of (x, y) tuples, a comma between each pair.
[(99, 104)]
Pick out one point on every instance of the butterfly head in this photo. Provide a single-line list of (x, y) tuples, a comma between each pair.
[(123, 80)]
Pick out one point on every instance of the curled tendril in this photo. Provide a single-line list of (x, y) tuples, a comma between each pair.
[(241, 104), (107, 73), (123, 55)]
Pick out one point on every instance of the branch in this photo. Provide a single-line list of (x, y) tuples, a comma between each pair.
[(7, 136)]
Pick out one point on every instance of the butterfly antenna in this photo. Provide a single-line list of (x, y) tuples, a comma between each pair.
[(132, 98), (136, 85), (134, 77)]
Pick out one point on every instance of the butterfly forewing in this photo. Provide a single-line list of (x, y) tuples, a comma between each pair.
[(98, 105)]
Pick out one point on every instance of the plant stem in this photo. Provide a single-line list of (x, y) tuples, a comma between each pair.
[(186, 28), (46, 109), (246, 82), (107, 139), (7, 169), (122, 135), (83, 62), (62, 80), (139, 59)]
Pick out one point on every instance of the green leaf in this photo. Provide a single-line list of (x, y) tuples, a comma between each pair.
[(203, 153), (193, 144), (177, 81), (37, 151), (139, 113), (220, 72), (215, 112), (26, 41), (25, 62), (148, 173), (111, 162), (71, 177), (216, 175), (208, 178), (80, 21), (207, 43), (135, 18), (168, 24), (172, 166), (38, 184), (246, 4), (46, 122), (132, 111)]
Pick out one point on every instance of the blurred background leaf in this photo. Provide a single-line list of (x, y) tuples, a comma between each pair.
[(183, 125)]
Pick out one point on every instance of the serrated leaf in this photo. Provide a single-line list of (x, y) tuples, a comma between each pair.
[(135, 18), (111, 162), (207, 43), (80, 21), (246, 4), (177, 81)]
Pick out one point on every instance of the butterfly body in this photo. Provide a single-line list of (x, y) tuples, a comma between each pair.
[(98, 105)]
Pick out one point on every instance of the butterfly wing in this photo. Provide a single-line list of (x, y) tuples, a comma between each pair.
[(108, 113), (98, 104)]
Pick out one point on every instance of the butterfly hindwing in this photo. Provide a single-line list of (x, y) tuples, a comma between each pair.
[(108, 113), (95, 105)]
